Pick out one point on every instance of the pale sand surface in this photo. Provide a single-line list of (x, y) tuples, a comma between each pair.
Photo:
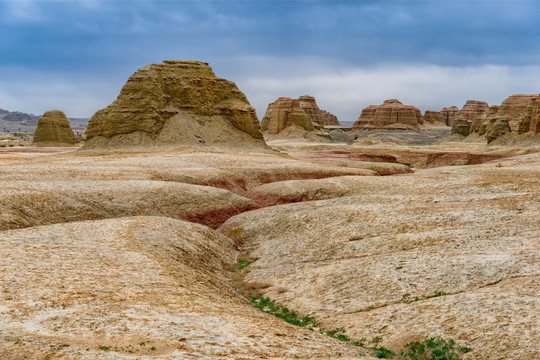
[(94, 251)]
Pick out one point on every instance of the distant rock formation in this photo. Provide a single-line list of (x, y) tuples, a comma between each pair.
[(176, 103), (391, 114), (513, 107), (285, 112), (433, 118), (517, 115), (474, 108), (310, 107), (480, 122), (530, 118), (448, 114), (461, 125), (53, 129), (329, 119), (497, 127)]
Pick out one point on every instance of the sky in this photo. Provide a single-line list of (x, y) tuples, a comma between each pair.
[(76, 55)]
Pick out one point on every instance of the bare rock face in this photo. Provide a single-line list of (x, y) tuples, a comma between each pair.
[(53, 129), (392, 113), (497, 127), (530, 118), (175, 102), (461, 125), (283, 113), (474, 108), (480, 123), (512, 107), (433, 117), (309, 105), (448, 114), (329, 119)]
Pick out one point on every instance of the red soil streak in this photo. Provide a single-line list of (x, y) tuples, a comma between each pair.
[(214, 218)]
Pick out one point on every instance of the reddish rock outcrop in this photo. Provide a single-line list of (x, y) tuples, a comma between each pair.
[(391, 114), (53, 129), (329, 119), (176, 102), (433, 118), (461, 125), (448, 114), (283, 113), (513, 107), (530, 118), (474, 108), (310, 107)]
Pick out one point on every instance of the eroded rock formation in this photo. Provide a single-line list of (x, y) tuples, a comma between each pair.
[(497, 127), (513, 107), (329, 119), (474, 108), (518, 114), (461, 126), (448, 114), (53, 129), (391, 114), (283, 113), (433, 118), (176, 103), (530, 118), (309, 105)]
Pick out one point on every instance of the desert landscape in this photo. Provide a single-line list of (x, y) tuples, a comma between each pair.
[(254, 180), (179, 230)]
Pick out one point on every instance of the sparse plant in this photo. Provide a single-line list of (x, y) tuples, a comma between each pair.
[(268, 306), (103, 347), (381, 352), (241, 264), (433, 349)]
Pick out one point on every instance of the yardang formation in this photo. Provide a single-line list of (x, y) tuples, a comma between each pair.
[(176, 103), (53, 129)]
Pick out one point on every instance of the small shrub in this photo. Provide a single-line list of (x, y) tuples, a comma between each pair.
[(106, 348), (381, 352), (270, 307), (433, 349)]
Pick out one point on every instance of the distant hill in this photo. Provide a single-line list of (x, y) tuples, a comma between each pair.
[(19, 121)]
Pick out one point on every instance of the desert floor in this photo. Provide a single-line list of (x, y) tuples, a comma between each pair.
[(150, 255)]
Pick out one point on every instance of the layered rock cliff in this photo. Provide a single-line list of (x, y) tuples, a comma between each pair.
[(448, 114), (391, 114), (434, 118), (285, 112)]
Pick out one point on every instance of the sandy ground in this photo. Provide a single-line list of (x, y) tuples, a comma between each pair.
[(361, 259), (97, 262)]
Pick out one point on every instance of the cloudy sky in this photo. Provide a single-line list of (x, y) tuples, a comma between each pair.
[(76, 55)]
